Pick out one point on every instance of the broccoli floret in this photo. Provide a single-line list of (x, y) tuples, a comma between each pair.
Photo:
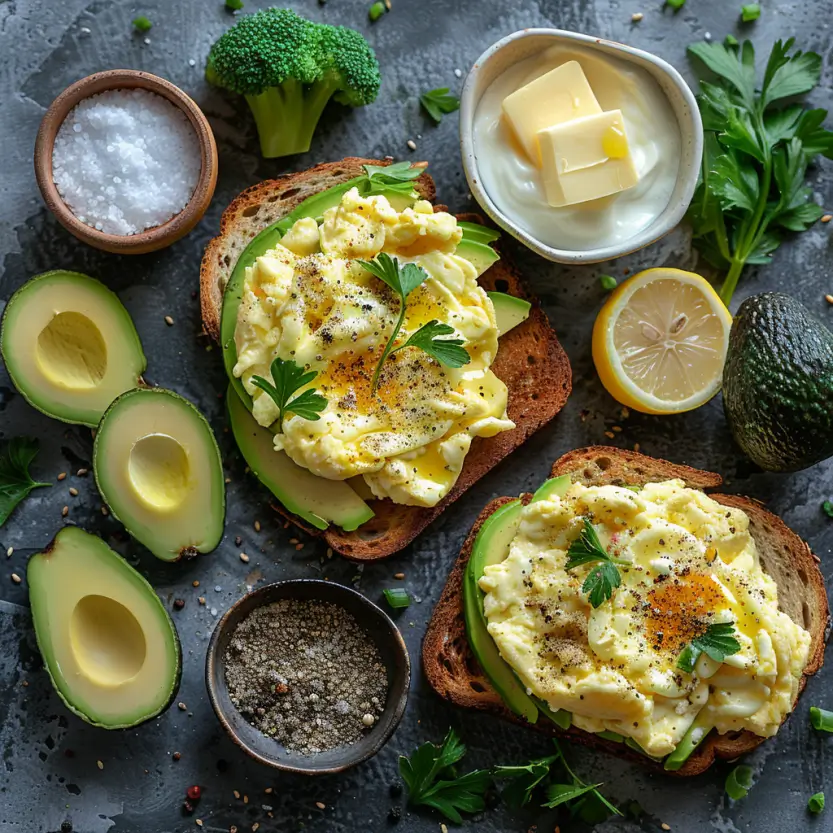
[(288, 68)]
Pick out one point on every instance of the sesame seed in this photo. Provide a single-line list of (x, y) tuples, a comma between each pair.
[(82, 472), (236, 795), (637, 17), (636, 446), (201, 600), (299, 546), (105, 511), (400, 576), (443, 828), (198, 822), (827, 218), (73, 491), (320, 805), (665, 826), (268, 791), (99, 764), (65, 511), (181, 706), (829, 299), (609, 434), (244, 558), (245, 799), (293, 540), (9, 552), (62, 475), (257, 526), (169, 321), (195, 583), (16, 578), (411, 144), (255, 827)]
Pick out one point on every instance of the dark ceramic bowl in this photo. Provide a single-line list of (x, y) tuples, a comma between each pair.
[(379, 627)]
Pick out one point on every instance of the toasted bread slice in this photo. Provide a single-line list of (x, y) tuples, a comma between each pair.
[(530, 361), (454, 673)]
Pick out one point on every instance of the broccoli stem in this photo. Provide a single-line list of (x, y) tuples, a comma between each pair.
[(287, 115)]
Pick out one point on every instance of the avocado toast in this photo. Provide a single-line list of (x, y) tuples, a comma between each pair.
[(530, 361), (454, 672)]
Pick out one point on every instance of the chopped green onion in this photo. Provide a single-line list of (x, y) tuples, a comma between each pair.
[(142, 24), (739, 782), (827, 506), (815, 804), (821, 719), (730, 40), (608, 282), (675, 4), (234, 5), (750, 12), (397, 597), (376, 11)]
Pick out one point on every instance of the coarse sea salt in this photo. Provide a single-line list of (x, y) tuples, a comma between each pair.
[(125, 161)]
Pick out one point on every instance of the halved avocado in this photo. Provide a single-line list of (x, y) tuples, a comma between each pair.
[(509, 311), (70, 346), (491, 547), (477, 233), (110, 648), (479, 255), (158, 467), (315, 499)]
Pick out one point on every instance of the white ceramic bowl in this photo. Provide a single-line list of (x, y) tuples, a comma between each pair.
[(520, 45)]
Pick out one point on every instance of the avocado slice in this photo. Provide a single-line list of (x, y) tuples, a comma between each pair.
[(107, 642), (70, 346), (479, 255), (696, 734), (778, 383), (477, 233), (554, 487), (317, 500), (158, 468), (491, 547), (509, 311)]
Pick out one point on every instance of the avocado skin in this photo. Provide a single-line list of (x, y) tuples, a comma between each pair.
[(778, 383)]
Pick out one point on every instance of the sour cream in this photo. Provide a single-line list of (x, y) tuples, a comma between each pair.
[(516, 185)]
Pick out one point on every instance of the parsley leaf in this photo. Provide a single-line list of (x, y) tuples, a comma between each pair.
[(752, 187), (449, 795), (447, 351), (397, 177), (593, 807), (288, 377), (403, 281), (523, 780), (604, 578), (439, 102), (718, 641), (15, 481)]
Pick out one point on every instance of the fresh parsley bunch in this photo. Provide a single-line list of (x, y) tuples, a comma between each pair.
[(758, 145)]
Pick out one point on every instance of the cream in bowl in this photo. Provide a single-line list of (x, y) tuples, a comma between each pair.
[(583, 149)]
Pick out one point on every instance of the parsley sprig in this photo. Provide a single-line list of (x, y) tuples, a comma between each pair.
[(718, 641), (403, 281), (432, 782), (439, 102), (752, 187), (288, 377), (604, 578), (15, 480), (398, 177)]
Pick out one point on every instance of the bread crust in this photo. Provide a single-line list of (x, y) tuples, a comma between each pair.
[(453, 671), (530, 361)]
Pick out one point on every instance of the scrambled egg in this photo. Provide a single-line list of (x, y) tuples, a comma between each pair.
[(310, 301), (694, 563)]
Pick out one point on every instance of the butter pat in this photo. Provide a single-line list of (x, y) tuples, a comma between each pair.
[(558, 96), (586, 159)]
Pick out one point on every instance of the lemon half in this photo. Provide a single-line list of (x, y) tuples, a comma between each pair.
[(660, 341)]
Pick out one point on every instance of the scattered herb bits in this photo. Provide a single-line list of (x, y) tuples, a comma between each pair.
[(730, 40), (821, 719), (439, 102), (397, 597), (305, 673), (142, 24), (234, 5), (750, 12), (608, 282), (827, 508), (739, 782), (675, 4), (815, 804), (376, 11)]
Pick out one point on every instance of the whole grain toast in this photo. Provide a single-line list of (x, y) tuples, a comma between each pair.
[(453, 671), (530, 360)]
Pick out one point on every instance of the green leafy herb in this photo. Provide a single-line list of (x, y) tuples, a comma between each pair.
[(584, 800), (758, 145), (439, 102), (288, 378), (142, 24), (604, 578), (430, 781), (397, 177), (738, 782), (675, 4), (234, 5), (827, 506), (404, 281), (718, 641), (396, 597), (523, 780), (821, 719), (750, 12), (376, 11), (15, 482), (815, 804), (730, 40), (608, 282)]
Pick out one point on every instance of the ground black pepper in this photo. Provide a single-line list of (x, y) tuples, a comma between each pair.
[(305, 673)]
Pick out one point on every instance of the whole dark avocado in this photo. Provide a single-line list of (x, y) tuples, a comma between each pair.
[(778, 383)]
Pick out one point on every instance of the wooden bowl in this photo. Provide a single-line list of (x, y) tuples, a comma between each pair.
[(371, 618), (151, 239)]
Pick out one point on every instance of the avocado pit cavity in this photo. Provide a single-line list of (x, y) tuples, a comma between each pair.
[(159, 471), (72, 352)]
